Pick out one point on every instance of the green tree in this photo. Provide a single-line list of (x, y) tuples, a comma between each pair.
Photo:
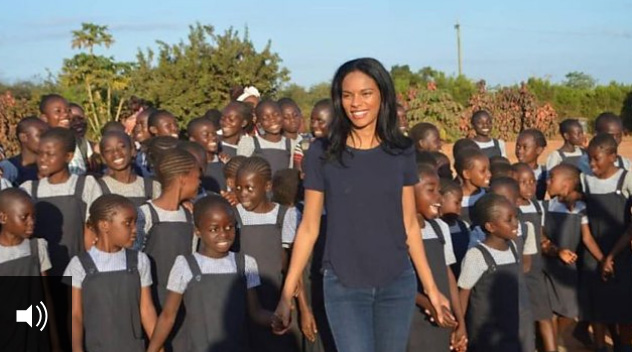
[(97, 81), (191, 77), (579, 80)]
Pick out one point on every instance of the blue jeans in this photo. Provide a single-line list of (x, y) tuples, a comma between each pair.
[(374, 319)]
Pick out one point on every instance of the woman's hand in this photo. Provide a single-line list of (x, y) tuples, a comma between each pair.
[(308, 325), (442, 307)]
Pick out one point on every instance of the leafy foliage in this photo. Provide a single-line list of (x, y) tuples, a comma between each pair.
[(11, 111), (191, 77)]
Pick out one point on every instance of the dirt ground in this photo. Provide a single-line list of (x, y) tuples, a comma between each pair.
[(567, 342)]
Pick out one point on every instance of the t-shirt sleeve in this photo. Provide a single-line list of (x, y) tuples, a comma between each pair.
[(44, 259), (180, 275), (313, 167), (290, 224), (76, 271), (144, 269), (252, 272), (530, 247), (553, 160), (448, 249), (627, 185), (27, 187), (9, 171), (410, 168), (91, 192), (503, 148), (157, 189), (472, 268), (246, 146)]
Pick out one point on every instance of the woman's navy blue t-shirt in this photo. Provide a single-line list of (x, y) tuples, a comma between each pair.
[(366, 238)]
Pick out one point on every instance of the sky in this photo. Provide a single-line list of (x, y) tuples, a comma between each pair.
[(503, 42)]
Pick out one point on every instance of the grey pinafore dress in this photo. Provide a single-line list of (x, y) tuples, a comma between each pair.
[(279, 159), (111, 306), (494, 150), (148, 186)]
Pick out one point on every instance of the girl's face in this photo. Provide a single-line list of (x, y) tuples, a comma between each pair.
[(19, 219), (217, 231), (555, 184), (361, 100), (291, 118), (427, 196), (402, 121), (451, 202), (52, 158), (57, 113), (478, 174), (251, 190), (508, 192), (431, 142), (206, 136), (141, 130), (116, 153), (319, 122), (232, 122), (270, 119), (482, 125), (575, 136), (615, 130), (526, 182), (122, 227), (526, 149), (505, 223), (32, 136), (601, 163), (167, 126), (190, 184)]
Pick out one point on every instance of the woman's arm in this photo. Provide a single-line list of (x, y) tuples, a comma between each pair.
[(165, 321), (147, 311), (77, 321), (306, 236), (418, 254)]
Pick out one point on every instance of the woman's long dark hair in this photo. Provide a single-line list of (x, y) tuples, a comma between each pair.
[(391, 137)]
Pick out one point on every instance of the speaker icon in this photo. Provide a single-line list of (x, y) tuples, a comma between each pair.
[(26, 316)]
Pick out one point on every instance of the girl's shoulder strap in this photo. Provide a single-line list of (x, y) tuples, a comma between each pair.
[(240, 222), (88, 264), (621, 181), (104, 187), (194, 266), (537, 206), (148, 185), (437, 229), (240, 261), (487, 256), (255, 141), (496, 143), (34, 245), (80, 185), (131, 258), (34, 188), (514, 251), (288, 145), (281, 215), (463, 226), (155, 219)]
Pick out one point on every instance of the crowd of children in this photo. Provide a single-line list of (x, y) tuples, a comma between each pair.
[(181, 239)]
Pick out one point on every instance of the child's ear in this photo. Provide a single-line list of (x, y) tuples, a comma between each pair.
[(420, 144), (3, 217), (103, 226), (22, 137), (466, 175), (539, 150), (69, 157), (269, 186), (489, 227), (196, 231), (153, 130)]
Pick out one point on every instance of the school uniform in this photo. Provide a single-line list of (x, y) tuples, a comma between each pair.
[(213, 179), (79, 163), (492, 317), (61, 213), (141, 164), (278, 154), (495, 147), (584, 164), (467, 205), (425, 335), (29, 258), (539, 302), (139, 191), (110, 286), (214, 294), (563, 229), (163, 235), (264, 237), (608, 208), (16, 173), (460, 237), (229, 149), (557, 157), (541, 176)]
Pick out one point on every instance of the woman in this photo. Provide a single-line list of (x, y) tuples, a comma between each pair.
[(365, 172)]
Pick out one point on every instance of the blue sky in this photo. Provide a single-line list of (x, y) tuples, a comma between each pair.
[(504, 42)]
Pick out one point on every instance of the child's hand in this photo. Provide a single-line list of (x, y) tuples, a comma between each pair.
[(231, 197), (282, 317), (567, 256), (223, 157), (442, 307), (308, 325), (607, 268), (458, 339)]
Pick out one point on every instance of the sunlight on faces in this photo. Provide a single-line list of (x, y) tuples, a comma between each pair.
[(231, 122), (141, 130), (451, 202), (427, 196), (575, 136), (166, 126), (482, 125), (217, 231), (320, 119), (121, 228), (291, 118), (116, 152), (361, 100), (251, 190), (479, 173), (57, 113), (431, 142), (527, 151), (205, 135), (505, 221), (615, 130), (601, 162), (52, 158), (31, 136), (526, 182), (270, 118)]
